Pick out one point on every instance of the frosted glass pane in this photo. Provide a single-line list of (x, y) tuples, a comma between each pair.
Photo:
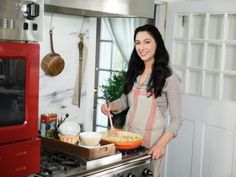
[(211, 89), (231, 27), (213, 56), (194, 83), (103, 77), (105, 34), (105, 55), (101, 118), (181, 26), (229, 86), (215, 28), (180, 53), (198, 26), (100, 129), (197, 54), (230, 58), (118, 63)]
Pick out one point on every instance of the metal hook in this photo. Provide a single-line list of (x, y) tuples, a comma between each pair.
[(51, 27)]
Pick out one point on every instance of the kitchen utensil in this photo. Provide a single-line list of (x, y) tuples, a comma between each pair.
[(109, 117), (112, 127), (81, 47), (52, 63), (124, 140)]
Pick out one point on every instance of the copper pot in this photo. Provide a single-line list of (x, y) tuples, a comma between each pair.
[(52, 63)]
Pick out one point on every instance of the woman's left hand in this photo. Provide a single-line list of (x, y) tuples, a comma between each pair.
[(157, 151)]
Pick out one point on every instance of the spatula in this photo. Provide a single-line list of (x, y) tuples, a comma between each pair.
[(109, 117)]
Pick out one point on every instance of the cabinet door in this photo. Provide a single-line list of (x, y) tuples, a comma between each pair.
[(201, 39)]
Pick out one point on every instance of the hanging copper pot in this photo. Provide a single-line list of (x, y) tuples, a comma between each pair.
[(52, 63)]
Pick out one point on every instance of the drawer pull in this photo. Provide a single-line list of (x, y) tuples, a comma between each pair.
[(21, 153), (21, 169)]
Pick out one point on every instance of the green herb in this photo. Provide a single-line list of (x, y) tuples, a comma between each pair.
[(115, 86)]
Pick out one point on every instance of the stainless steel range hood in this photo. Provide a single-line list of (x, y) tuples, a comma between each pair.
[(102, 8)]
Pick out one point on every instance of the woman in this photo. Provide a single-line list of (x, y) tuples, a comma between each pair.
[(151, 88)]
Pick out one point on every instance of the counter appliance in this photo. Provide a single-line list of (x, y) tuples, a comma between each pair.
[(20, 29)]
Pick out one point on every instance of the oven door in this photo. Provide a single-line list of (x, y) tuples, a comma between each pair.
[(19, 85)]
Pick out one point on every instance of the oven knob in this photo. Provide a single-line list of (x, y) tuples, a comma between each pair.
[(131, 175), (30, 10), (147, 172)]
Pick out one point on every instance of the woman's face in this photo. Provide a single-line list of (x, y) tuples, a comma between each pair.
[(145, 46)]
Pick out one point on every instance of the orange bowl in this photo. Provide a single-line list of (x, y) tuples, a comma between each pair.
[(123, 140)]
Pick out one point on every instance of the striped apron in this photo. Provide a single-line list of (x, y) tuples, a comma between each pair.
[(144, 118)]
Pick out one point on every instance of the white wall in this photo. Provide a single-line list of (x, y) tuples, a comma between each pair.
[(56, 92)]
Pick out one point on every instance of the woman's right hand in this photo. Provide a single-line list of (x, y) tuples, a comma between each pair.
[(106, 110)]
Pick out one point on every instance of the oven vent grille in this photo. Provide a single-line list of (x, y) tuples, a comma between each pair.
[(7, 23)]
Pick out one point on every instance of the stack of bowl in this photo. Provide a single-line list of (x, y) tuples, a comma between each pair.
[(69, 132)]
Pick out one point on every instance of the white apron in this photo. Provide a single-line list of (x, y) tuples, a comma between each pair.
[(145, 118)]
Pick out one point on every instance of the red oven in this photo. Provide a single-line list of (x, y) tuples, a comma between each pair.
[(19, 85), (20, 29)]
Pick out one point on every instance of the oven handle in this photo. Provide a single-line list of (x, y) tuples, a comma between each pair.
[(124, 164)]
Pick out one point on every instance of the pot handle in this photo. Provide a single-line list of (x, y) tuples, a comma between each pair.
[(51, 41)]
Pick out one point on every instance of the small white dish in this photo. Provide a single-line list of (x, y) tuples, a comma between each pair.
[(89, 147), (90, 138)]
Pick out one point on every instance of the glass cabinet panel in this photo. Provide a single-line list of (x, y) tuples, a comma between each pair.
[(180, 50), (181, 26), (231, 35), (213, 56), (194, 84), (215, 26), (198, 27), (211, 86), (229, 84), (197, 54), (230, 57), (204, 54)]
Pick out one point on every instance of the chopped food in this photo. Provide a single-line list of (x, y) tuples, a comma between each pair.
[(121, 136)]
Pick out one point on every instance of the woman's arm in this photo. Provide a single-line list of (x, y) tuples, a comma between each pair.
[(116, 106), (174, 99), (159, 149)]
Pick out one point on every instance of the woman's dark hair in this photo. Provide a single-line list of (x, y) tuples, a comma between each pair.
[(161, 69)]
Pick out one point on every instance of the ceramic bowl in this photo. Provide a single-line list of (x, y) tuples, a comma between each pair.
[(69, 128), (90, 138)]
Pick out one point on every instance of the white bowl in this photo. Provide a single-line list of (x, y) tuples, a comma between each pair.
[(69, 128), (90, 138), (69, 133)]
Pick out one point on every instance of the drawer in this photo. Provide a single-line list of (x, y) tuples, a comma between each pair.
[(20, 159)]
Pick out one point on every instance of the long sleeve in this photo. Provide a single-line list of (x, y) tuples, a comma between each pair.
[(174, 100), (122, 103)]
